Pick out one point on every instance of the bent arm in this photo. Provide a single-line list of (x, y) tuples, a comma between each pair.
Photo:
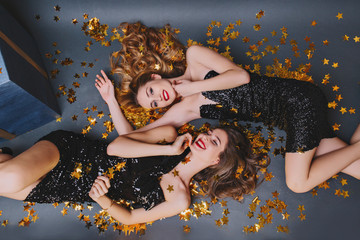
[(121, 124), (128, 217), (141, 144), (231, 75)]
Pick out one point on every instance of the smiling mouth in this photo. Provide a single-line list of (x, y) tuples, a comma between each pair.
[(200, 144), (165, 95)]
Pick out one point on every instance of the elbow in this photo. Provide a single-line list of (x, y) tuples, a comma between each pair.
[(171, 134), (110, 150), (245, 77), (113, 148)]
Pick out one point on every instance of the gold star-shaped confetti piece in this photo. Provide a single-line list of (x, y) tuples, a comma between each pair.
[(64, 211), (56, 18), (285, 216), (343, 110), (105, 135), (74, 21), (345, 37), (175, 173), (226, 212), (58, 119), (324, 185), (186, 160), (302, 217), (345, 194), (332, 104), (325, 61), (257, 27), (268, 176), (336, 127), (314, 192), (339, 16), (57, 8), (260, 14), (335, 88), (326, 42), (313, 23), (357, 39), (301, 208), (352, 110), (86, 110), (170, 188), (337, 192), (343, 181), (100, 115), (223, 203), (339, 97), (186, 228), (335, 65)]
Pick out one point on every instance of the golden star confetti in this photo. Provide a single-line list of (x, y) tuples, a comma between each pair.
[(186, 228), (56, 18), (170, 188)]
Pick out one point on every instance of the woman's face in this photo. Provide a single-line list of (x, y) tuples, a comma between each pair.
[(157, 93), (208, 146)]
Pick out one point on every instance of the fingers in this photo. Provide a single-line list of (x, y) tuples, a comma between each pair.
[(104, 75), (189, 138), (100, 187), (105, 179)]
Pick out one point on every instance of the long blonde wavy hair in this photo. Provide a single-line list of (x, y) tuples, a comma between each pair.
[(146, 49)]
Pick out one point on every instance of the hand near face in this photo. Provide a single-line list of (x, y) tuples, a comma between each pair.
[(183, 87), (104, 86), (100, 187), (181, 143)]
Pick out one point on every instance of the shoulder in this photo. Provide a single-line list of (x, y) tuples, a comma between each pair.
[(176, 192)]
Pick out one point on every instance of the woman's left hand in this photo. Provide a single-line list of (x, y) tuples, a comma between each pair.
[(183, 87), (99, 188)]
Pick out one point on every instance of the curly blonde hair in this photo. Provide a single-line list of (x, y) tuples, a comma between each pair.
[(146, 49)]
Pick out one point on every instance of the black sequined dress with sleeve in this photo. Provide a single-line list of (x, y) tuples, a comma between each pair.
[(298, 107), (137, 182)]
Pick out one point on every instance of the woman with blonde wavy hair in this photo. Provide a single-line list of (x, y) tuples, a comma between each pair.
[(214, 87)]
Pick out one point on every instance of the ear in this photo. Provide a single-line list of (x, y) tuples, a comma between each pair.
[(155, 76), (216, 161)]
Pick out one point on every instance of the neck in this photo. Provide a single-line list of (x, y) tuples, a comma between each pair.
[(189, 169)]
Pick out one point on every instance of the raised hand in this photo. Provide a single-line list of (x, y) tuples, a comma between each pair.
[(99, 188), (181, 143), (105, 87), (183, 87)]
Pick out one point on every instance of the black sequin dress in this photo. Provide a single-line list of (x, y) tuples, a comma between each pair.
[(137, 182), (298, 107)]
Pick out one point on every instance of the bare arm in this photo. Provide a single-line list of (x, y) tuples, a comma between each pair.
[(124, 146), (176, 202), (201, 59), (106, 90)]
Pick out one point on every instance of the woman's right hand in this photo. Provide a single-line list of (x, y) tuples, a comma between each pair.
[(181, 143), (105, 87)]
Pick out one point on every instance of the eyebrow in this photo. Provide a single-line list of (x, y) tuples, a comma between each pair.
[(147, 94), (218, 139)]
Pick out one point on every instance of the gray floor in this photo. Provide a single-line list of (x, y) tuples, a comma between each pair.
[(327, 216)]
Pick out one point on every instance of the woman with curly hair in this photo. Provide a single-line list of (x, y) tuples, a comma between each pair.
[(214, 87), (134, 167)]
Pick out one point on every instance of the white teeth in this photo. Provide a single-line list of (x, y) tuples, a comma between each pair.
[(201, 144), (166, 95)]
